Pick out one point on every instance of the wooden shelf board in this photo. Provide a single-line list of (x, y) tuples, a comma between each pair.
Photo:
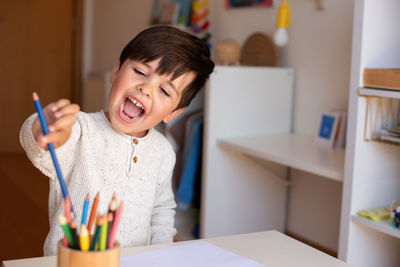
[(293, 150), (381, 226)]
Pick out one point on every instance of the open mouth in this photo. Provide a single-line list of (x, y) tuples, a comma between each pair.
[(131, 109)]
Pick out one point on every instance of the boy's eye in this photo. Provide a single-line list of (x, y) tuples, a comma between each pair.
[(164, 91), (139, 72)]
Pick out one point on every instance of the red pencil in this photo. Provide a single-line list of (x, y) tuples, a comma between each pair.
[(93, 211), (117, 218)]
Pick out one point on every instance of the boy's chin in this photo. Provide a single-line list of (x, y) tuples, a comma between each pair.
[(125, 130)]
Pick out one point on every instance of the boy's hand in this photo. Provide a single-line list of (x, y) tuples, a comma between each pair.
[(60, 117)]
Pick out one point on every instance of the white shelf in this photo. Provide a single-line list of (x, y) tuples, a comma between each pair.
[(379, 92), (293, 150), (381, 226)]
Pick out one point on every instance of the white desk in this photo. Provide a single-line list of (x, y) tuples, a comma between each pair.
[(271, 248)]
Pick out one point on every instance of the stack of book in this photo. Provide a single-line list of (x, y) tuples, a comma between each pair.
[(391, 135)]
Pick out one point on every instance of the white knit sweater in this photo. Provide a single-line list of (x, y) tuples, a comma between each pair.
[(98, 159)]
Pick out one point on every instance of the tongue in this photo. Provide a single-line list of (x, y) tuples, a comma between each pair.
[(131, 109)]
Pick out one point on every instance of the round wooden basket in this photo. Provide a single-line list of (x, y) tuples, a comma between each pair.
[(259, 50)]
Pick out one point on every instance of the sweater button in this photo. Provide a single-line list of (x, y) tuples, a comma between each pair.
[(135, 141), (135, 159)]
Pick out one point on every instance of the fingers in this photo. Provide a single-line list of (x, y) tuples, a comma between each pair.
[(59, 104), (61, 111), (64, 122), (60, 117), (58, 138)]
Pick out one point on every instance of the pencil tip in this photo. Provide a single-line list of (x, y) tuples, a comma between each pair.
[(35, 96), (87, 196)]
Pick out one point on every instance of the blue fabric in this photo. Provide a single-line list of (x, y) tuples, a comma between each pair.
[(191, 164)]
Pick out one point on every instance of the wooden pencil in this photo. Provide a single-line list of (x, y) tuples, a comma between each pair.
[(50, 146), (97, 233), (93, 211), (84, 238), (67, 208), (85, 209), (67, 230), (110, 218), (74, 234), (103, 234), (116, 221)]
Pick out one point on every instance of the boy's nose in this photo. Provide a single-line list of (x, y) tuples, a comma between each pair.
[(146, 90)]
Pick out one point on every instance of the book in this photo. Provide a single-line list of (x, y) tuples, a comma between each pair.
[(332, 129), (382, 78), (377, 214)]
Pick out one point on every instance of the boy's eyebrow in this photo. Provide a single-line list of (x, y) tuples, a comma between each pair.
[(172, 85), (169, 81)]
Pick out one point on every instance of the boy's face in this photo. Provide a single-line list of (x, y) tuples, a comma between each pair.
[(140, 98)]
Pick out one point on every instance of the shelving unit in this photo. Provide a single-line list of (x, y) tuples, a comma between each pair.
[(372, 169), (383, 226), (292, 150), (379, 93)]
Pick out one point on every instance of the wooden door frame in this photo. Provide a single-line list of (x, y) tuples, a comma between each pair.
[(76, 60)]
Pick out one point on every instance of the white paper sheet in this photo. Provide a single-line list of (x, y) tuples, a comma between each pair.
[(194, 254)]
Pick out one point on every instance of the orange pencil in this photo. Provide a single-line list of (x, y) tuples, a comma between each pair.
[(93, 211)]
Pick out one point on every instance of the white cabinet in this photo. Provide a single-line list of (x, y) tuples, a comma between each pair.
[(372, 169)]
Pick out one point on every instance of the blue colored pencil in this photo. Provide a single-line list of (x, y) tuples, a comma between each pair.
[(85, 210), (50, 146)]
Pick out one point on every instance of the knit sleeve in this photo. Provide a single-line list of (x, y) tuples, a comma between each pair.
[(41, 158), (162, 219)]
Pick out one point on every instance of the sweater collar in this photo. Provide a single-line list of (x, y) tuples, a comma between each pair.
[(127, 136)]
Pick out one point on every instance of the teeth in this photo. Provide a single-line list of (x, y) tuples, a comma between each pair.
[(136, 103)]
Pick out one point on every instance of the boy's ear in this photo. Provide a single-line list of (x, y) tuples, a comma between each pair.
[(114, 71), (173, 114)]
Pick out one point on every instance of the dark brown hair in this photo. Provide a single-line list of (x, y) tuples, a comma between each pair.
[(180, 52)]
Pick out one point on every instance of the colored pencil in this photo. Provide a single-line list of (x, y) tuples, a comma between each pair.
[(50, 146), (110, 218), (84, 238), (111, 210), (93, 211), (97, 234), (103, 235), (74, 234), (117, 218), (85, 209), (67, 208), (113, 204), (67, 230)]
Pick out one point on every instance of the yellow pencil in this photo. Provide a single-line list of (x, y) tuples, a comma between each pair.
[(84, 238)]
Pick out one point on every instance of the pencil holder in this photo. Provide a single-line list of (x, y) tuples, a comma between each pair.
[(67, 257)]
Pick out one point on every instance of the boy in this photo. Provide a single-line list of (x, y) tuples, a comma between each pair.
[(155, 78)]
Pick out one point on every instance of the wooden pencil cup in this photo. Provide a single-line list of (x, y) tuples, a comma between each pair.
[(67, 257)]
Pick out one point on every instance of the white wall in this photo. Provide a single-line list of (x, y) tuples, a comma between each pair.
[(319, 50)]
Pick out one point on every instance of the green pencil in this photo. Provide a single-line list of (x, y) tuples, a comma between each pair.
[(97, 234), (103, 234), (67, 231)]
